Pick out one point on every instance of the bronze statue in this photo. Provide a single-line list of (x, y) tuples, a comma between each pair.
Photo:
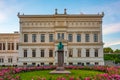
[(60, 46)]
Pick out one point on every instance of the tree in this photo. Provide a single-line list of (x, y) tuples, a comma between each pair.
[(108, 50), (117, 51)]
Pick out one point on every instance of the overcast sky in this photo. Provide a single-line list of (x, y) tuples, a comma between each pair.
[(9, 21)]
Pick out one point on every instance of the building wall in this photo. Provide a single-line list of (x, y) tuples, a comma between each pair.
[(61, 23), (9, 48)]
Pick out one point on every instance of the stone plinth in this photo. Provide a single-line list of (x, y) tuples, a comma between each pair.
[(60, 72)]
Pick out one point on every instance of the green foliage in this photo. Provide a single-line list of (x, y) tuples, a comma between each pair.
[(45, 74), (112, 57), (117, 51), (108, 50)]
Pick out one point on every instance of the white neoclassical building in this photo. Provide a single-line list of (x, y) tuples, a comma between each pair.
[(81, 36), (9, 48)]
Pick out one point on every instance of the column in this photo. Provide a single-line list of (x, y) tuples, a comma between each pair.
[(30, 37), (74, 37), (82, 37), (83, 52), (15, 46), (6, 45), (46, 37), (38, 37), (92, 52), (37, 52), (91, 37)]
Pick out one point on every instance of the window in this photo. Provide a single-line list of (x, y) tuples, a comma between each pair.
[(79, 52), (33, 53), (24, 63), (70, 37), (25, 53), (95, 37), (42, 64), (50, 53), (70, 52), (87, 63), (9, 60), (70, 63), (58, 36), (33, 64), (96, 52), (33, 37), (87, 53), (96, 63), (50, 63), (12, 46), (0, 46), (3, 46), (79, 63), (42, 53), (62, 35), (42, 37), (87, 37), (16, 46), (1, 60), (25, 37), (50, 37), (78, 37)]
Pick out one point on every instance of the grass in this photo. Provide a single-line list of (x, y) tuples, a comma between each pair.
[(45, 74)]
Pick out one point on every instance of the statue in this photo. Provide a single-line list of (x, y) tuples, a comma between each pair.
[(60, 46)]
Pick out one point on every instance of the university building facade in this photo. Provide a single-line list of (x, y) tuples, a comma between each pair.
[(81, 35)]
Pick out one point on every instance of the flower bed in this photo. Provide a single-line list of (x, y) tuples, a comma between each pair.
[(111, 73)]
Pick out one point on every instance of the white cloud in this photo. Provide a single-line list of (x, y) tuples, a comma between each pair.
[(111, 28), (111, 43)]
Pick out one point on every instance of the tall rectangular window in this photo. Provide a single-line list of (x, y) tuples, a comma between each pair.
[(78, 37), (9, 60), (79, 52), (0, 46), (50, 37), (96, 52), (70, 37), (87, 53), (42, 37), (12, 46), (16, 46), (62, 35), (70, 53), (25, 53), (1, 60), (25, 37), (33, 37), (50, 53), (58, 36), (87, 37), (95, 37), (3, 46), (33, 53), (42, 53)]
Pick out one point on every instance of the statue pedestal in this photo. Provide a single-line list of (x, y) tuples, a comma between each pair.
[(60, 65)]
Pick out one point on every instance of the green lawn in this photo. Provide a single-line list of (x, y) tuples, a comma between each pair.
[(45, 74)]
